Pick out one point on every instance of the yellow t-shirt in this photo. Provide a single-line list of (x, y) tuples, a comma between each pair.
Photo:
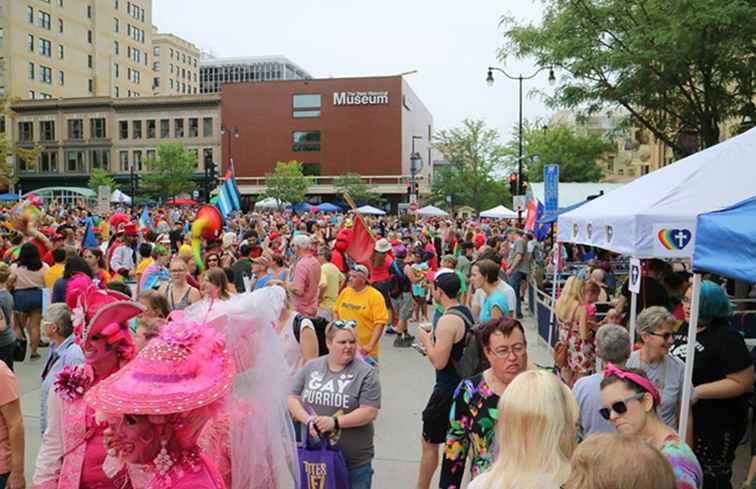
[(146, 262), (331, 276), (368, 308), (52, 274)]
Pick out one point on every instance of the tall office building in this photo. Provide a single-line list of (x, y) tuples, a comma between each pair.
[(175, 65), (215, 72), (75, 48)]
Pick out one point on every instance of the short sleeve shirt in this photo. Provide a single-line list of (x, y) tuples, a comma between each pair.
[(368, 308), (668, 377), (331, 393), (521, 248), (9, 392), (496, 299)]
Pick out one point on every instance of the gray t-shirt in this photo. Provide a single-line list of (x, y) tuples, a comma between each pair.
[(668, 377), (7, 337), (519, 246), (587, 391), (337, 393)]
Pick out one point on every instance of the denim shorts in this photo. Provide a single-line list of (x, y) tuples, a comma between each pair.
[(27, 300), (361, 477)]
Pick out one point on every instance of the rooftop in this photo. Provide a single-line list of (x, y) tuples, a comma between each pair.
[(250, 60)]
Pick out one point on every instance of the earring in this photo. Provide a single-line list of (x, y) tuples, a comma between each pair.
[(163, 461)]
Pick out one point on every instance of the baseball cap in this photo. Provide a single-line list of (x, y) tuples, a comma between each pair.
[(447, 281)]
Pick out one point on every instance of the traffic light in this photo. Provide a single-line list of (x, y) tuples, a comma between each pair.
[(524, 185), (513, 184), (409, 188)]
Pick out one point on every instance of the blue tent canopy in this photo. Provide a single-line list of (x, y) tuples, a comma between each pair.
[(726, 242), (328, 207), (9, 197), (301, 208)]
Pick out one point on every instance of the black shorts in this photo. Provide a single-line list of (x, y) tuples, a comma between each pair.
[(384, 287), (436, 416)]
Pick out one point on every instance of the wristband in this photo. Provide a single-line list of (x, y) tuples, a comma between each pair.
[(336, 423)]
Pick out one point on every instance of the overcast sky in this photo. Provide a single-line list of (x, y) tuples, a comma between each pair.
[(449, 42)]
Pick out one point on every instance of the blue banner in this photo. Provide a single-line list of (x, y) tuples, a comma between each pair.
[(551, 189)]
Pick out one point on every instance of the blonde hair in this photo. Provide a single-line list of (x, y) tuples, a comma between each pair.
[(614, 461), (536, 433), (570, 299)]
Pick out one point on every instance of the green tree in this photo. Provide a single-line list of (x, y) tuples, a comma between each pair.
[(678, 66), (578, 154), (287, 183), (170, 172), (351, 183), (100, 177), (474, 154)]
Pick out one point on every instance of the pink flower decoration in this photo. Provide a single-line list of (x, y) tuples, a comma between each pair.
[(181, 333), (73, 381)]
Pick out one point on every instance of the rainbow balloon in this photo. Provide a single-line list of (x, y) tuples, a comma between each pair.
[(207, 224)]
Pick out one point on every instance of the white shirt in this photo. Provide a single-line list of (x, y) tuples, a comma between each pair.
[(123, 257), (506, 290)]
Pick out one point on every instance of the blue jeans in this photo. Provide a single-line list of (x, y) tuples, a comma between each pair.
[(3, 480), (514, 281), (361, 477)]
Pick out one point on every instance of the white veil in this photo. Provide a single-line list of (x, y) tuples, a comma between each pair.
[(263, 446)]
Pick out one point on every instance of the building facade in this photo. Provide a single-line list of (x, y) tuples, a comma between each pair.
[(216, 72), (175, 65), (75, 48), (368, 126), (116, 135)]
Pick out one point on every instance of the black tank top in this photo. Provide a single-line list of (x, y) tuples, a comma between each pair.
[(447, 377)]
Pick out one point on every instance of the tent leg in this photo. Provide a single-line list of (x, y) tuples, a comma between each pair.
[(690, 355), (557, 255), (633, 314)]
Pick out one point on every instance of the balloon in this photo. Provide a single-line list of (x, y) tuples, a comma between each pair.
[(207, 224)]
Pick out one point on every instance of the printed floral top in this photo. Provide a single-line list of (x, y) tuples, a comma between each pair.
[(473, 419), (684, 463)]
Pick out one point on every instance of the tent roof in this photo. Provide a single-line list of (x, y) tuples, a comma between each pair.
[(655, 215), (430, 210), (270, 203), (499, 212), (370, 210), (571, 193), (735, 225)]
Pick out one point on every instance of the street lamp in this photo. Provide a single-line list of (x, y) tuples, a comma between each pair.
[(228, 133), (416, 165), (520, 78)]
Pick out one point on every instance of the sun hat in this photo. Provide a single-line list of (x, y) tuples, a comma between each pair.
[(382, 246), (186, 367)]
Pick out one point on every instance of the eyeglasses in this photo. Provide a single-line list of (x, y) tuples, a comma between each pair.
[(516, 349), (619, 407), (666, 336)]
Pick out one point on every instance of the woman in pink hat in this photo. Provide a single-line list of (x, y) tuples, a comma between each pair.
[(157, 405), (73, 451)]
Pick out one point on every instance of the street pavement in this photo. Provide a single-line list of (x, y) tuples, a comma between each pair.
[(406, 379)]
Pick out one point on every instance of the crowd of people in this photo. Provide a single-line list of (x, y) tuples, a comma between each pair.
[(188, 357)]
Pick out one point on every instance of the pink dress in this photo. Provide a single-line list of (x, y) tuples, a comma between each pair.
[(192, 471)]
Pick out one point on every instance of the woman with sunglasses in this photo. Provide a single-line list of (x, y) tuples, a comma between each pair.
[(655, 328), (212, 260), (345, 395), (630, 401)]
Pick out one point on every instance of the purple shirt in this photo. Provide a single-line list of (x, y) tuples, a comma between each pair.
[(306, 279)]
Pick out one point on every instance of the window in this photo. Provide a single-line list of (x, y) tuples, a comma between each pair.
[(171, 53), (75, 129), (60, 26), (156, 82), (207, 127), (311, 169), (171, 80), (151, 129), (30, 43), (138, 160), (116, 70), (136, 129), (150, 155), (32, 95), (75, 161), (61, 51), (207, 157), (31, 71), (45, 96), (156, 51), (193, 127), (24, 165), (115, 4), (100, 158), (123, 129), (306, 105), (116, 25), (178, 128), (30, 15), (115, 48), (123, 161), (156, 66), (89, 11), (117, 92), (47, 131), (44, 20), (48, 162), (61, 78), (171, 68), (165, 128), (97, 128), (90, 61), (45, 74), (306, 141), (25, 132), (45, 47), (90, 85), (89, 37)]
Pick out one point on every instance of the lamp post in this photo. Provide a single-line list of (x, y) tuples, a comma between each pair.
[(416, 164), (229, 139), (520, 78)]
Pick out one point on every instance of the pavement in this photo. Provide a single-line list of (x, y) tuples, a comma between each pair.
[(407, 380)]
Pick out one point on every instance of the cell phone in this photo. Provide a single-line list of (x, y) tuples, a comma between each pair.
[(420, 349)]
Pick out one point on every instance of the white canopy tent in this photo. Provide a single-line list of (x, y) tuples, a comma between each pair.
[(118, 197), (655, 217), (431, 211), (270, 203), (369, 210), (499, 212)]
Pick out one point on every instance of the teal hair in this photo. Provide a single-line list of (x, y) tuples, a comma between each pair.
[(714, 302)]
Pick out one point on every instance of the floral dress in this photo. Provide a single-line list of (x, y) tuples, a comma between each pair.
[(582, 353), (473, 419)]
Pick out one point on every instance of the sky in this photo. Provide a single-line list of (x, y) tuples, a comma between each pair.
[(450, 43)]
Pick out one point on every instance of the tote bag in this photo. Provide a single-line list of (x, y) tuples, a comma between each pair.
[(321, 466)]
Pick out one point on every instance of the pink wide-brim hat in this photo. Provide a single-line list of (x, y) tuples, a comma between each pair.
[(185, 368)]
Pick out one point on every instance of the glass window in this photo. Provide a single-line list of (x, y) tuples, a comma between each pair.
[(207, 157), (100, 158), (306, 101), (193, 127), (62, 78), (207, 127), (26, 132), (123, 129), (116, 25), (90, 61), (151, 129), (136, 129), (47, 130), (97, 128), (89, 11), (49, 162), (150, 154), (89, 37), (156, 51), (44, 20), (30, 15), (60, 26), (123, 161), (90, 85), (45, 47), (75, 129), (165, 128), (311, 169), (115, 47), (31, 71), (306, 141), (45, 74), (178, 128), (75, 161), (61, 53), (30, 43), (138, 160)]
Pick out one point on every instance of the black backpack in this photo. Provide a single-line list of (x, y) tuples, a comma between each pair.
[(320, 325), (473, 361), (399, 281)]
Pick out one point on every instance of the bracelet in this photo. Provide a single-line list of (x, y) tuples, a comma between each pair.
[(336, 423)]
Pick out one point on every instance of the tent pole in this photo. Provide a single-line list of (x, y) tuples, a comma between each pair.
[(557, 256), (690, 355), (633, 314)]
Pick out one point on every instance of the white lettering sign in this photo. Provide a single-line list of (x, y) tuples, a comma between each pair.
[(360, 98)]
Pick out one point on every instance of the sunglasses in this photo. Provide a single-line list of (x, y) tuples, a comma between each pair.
[(666, 336), (619, 407), (343, 324)]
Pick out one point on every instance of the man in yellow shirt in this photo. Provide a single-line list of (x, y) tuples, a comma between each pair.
[(362, 303), (56, 271), (331, 281)]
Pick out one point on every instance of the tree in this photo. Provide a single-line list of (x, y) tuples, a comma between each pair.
[(170, 172), (100, 177), (351, 183), (680, 67), (473, 153), (577, 154), (287, 183), (8, 150)]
